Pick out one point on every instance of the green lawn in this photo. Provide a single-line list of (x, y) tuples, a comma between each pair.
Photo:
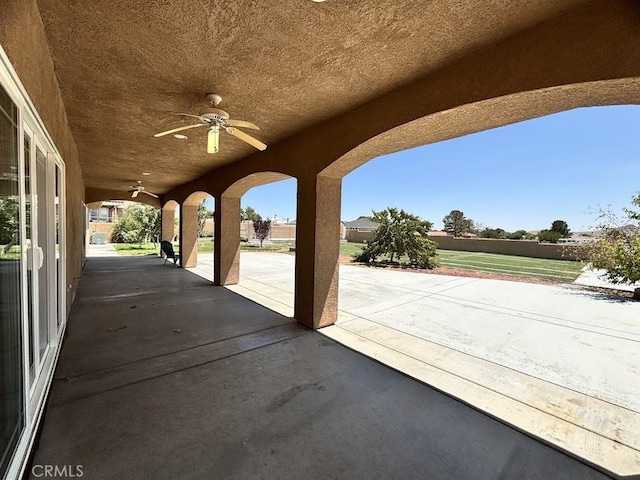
[(137, 249), (205, 246), (267, 247), (556, 270), (350, 248), (12, 254)]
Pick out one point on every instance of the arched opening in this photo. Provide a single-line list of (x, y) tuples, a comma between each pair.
[(265, 204), (197, 233), (129, 226), (525, 346), (170, 228)]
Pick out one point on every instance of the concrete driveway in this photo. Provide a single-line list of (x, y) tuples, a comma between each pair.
[(556, 361)]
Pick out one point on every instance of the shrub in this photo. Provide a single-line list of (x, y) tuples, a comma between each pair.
[(549, 236)]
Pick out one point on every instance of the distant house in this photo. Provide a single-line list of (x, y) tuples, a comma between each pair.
[(360, 230), (437, 233), (361, 224), (103, 216)]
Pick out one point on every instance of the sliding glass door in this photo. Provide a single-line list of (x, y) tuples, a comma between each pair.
[(43, 308), (32, 271), (12, 406)]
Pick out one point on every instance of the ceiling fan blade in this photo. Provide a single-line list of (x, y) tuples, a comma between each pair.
[(135, 193), (187, 115), (150, 194), (254, 142), (179, 129), (243, 124)]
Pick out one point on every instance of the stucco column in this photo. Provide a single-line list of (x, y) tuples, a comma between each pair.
[(317, 251), (189, 235), (168, 219), (226, 259)]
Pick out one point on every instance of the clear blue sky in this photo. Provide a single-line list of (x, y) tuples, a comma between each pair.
[(522, 176)]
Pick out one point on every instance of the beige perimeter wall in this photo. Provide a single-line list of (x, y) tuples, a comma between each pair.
[(521, 248)]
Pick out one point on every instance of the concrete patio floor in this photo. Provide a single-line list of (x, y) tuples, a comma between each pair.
[(163, 375), (555, 361)]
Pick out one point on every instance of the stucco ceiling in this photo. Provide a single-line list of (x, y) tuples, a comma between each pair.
[(125, 66)]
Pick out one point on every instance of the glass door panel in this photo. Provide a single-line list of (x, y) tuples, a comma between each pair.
[(41, 252), (59, 283), (11, 380), (28, 252)]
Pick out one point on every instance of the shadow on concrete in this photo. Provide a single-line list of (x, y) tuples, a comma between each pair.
[(601, 295)]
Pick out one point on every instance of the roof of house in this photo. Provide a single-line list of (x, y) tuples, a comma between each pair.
[(361, 223)]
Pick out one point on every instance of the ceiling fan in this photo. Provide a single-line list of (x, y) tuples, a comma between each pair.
[(138, 189), (216, 119)]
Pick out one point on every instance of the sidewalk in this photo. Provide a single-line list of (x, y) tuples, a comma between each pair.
[(104, 250), (595, 278)]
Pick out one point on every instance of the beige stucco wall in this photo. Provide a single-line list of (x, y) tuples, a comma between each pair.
[(23, 39), (359, 237), (278, 231), (101, 227), (520, 248)]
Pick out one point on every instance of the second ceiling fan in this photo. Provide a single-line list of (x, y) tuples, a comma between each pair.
[(217, 120)]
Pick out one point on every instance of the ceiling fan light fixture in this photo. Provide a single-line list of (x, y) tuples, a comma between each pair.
[(213, 139)]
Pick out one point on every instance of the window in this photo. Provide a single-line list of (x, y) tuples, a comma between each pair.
[(99, 215)]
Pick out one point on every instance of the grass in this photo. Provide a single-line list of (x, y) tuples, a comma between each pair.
[(12, 254), (137, 249), (205, 245), (555, 270), (267, 247)]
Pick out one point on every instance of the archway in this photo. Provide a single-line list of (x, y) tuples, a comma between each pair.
[(196, 229), (529, 335), (274, 204)]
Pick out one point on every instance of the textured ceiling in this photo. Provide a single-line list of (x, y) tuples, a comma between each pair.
[(124, 66)]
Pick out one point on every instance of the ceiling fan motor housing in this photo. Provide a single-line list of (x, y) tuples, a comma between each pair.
[(214, 115)]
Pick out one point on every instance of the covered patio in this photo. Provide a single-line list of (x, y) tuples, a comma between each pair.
[(163, 375)]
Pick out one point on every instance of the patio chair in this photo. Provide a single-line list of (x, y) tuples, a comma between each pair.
[(167, 249)]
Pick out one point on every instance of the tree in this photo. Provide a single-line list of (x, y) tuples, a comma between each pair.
[(549, 236), (138, 224), (493, 233), (9, 225), (517, 235), (203, 214), (262, 228), (476, 227), (561, 227), (618, 250), (456, 223), (400, 233), (249, 214)]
